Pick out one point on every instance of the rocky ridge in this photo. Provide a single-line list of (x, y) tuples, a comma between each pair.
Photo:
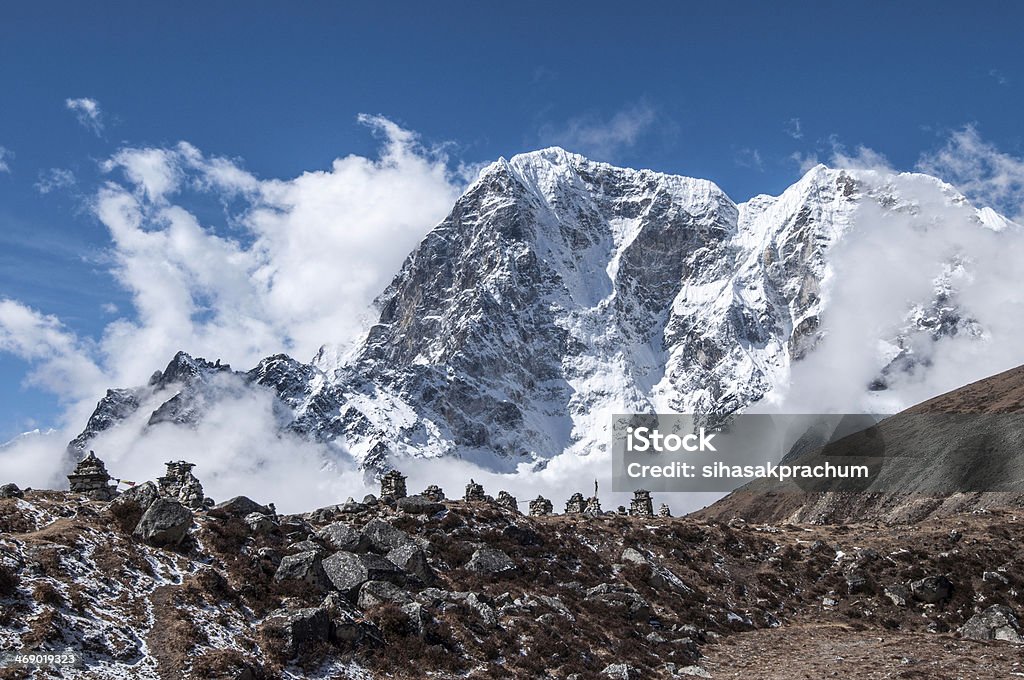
[(143, 587)]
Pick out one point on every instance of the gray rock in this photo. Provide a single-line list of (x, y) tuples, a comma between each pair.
[(305, 546), (483, 610), (340, 536), (142, 495), (995, 577), (165, 523), (352, 507), (373, 593), (370, 500), (633, 555), (347, 624), (620, 671), (417, 616), (298, 629), (557, 604), (241, 506), (305, 567), (998, 622), (621, 597), (419, 505), (11, 491), (348, 571), (383, 537), (855, 581), (932, 589), (411, 558), (491, 561), (259, 523), (897, 594)]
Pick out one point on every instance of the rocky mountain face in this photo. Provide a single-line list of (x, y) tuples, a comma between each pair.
[(560, 291), (145, 587)]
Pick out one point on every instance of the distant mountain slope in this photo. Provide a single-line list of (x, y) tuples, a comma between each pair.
[(988, 455), (560, 291)]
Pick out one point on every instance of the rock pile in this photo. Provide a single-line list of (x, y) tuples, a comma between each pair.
[(179, 482), (392, 485), (540, 506), (90, 477), (641, 505)]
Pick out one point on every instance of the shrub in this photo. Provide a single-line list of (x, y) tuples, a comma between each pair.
[(9, 581), (46, 593)]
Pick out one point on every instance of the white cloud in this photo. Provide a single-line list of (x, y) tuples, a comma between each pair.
[(861, 158), (88, 113), (296, 264), (889, 261), (794, 129), (600, 138), (5, 157), (62, 363), (804, 161), (53, 179), (980, 170), (749, 158)]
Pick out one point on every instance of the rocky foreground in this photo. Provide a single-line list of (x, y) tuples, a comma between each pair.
[(143, 587)]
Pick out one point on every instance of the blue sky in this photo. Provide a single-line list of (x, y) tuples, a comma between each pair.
[(734, 92)]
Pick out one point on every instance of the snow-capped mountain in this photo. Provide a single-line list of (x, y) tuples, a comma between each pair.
[(559, 291)]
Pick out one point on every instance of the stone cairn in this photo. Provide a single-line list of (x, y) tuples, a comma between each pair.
[(393, 484), (179, 482), (91, 478), (540, 506), (663, 511), (433, 493), (641, 505), (475, 492), (576, 505), (507, 501)]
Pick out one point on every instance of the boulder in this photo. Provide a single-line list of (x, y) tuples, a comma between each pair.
[(341, 536), (633, 555), (297, 629), (998, 622), (932, 589), (304, 546), (259, 523), (491, 561), (417, 617), (11, 491), (353, 507), (305, 567), (347, 624), (142, 495), (483, 610), (165, 523), (348, 571), (241, 506), (383, 537), (621, 597), (419, 505), (412, 559), (897, 594), (373, 593)]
